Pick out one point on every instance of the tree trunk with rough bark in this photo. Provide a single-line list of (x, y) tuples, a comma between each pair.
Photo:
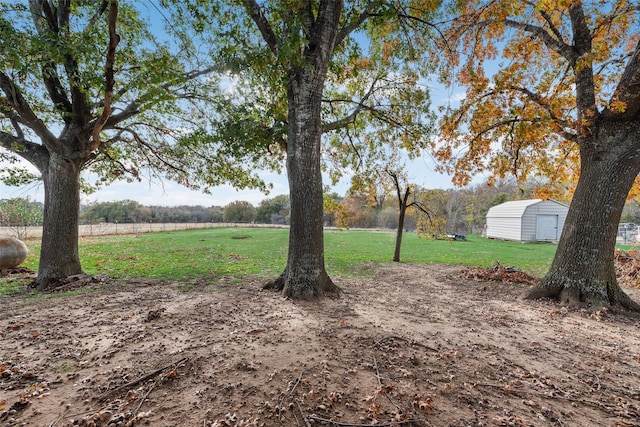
[(305, 276), (59, 256), (583, 270)]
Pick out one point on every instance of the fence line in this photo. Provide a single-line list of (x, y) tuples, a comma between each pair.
[(87, 230)]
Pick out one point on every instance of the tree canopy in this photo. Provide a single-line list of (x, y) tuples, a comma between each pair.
[(91, 86), (537, 77), (563, 103)]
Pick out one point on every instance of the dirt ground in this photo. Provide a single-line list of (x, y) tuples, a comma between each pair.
[(411, 345)]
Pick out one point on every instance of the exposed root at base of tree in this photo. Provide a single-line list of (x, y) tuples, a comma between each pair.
[(617, 301), (312, 291), (70, 282), (276, 284)]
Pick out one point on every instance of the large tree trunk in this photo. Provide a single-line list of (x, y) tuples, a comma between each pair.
[(59, 256), (583, 270), (305, 276)]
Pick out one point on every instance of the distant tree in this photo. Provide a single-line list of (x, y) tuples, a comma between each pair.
[(239, 211), (117, 211), (18, 214), (274, 211), (631, 212), (358, 211), (387, 217), (407, 197), (334, 211)]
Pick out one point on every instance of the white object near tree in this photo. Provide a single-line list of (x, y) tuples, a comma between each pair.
[(12, 252), (533, 220)]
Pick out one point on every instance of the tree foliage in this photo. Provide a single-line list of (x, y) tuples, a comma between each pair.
[(563, 103), (92, 87), (521, 65), (274, 211), (239, 211)]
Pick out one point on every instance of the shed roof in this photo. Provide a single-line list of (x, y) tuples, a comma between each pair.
[(513, 209)]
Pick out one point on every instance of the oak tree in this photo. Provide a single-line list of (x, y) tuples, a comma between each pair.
[(310, 72), (553, 89), (88, 86)]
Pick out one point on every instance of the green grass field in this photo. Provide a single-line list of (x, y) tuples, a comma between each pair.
[(262, 251)]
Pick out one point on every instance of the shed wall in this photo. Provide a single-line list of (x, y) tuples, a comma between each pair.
[(504, 228), (518, 220)]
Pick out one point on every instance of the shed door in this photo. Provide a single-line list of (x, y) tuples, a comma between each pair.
[(547, 227)]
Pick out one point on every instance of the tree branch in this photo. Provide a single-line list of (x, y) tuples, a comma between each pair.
[(582, 67), (349, 28), (130, 110), (536, 98), (56, 92), (99, 12), (628, 89), (354, 114), (109, 79), (255, 11), (34, 153), (20, 105), (554, 44)]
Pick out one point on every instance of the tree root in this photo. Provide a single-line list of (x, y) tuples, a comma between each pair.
[(309, 290), (68, 283), (616, 300), (276, 284)]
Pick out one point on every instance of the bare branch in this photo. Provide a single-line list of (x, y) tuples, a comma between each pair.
[(350, 27)]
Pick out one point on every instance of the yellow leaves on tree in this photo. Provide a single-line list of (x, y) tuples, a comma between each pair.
[(519, 66)]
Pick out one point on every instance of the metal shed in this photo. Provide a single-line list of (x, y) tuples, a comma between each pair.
[(533, 220)]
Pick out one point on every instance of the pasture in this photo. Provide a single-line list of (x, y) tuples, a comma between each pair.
[(239, 251)]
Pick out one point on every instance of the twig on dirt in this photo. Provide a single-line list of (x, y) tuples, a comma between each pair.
[(304, 418), (593, 403), (289, 393), (141, 379), (343, 424), (375, 365), (153, 386)]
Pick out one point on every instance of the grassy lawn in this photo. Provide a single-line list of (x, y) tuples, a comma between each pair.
[(262, 251)]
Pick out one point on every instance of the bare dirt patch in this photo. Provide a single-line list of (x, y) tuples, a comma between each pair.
[(408, 345)]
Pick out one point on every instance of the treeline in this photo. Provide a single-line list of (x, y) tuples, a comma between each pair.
[(462, 211)]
